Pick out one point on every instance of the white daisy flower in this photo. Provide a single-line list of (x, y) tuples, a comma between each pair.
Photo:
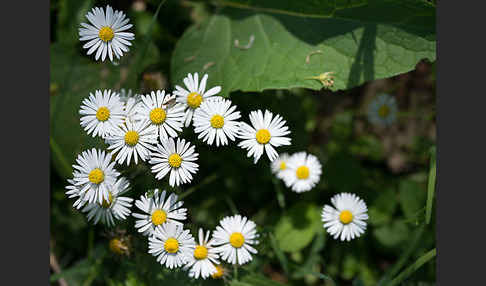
[(304, 172), (135, 139), (216, 120), (194, 95), (202, 262), (106, 33), (94, 175), (130, 103), (75, 192), (265, 133), (116, 207), (158, 210), (347, 219), (235, 236), (171, 245), (154, 107), (382, 110), (279, 166), (101, 113), (177, 158)]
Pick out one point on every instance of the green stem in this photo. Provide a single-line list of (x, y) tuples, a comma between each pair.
[(431, 186), (279, 253), (57, 154), (191, 190), (90, 242), (320, 276), (231, 205), (280, 195), (405, 256), (415, 218), (145, 45), (235, 272), (414, 267)]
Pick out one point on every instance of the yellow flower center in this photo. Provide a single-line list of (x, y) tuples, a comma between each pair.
[(159, 217), (96, 176), (219, 272), (175, 160), (157, 115), (171, 245), (346, 217), (283, 166), (200, 252), (106, 204), (263, 136), (106, 34), (384, 111), (237, 239), (217, 121), (131, 138), (103, 113), (117, 246), (302, 172), (194, 99)]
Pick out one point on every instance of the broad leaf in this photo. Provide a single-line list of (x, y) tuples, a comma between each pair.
[(383, 207), (359, 43), (416, 14), (296, 229), (392, 235), (412, 198)]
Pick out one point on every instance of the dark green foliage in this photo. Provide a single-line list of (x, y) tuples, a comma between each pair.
[(362, 41)]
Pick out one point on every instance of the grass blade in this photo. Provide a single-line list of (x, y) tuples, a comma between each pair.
[(412, 268), (56, 153), (280, 255), (404, 257), (231, 205), (206, 181), (430, 186), (145, 45), (319, 275), (280, 195)]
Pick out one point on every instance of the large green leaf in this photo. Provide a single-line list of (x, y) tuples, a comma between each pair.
[(412, 198), (417, 14), (359, 43), (392, 235), (296, 229), (382, 209), (76, 75)]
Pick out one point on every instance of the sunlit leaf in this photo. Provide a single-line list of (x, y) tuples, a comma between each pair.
[(275, 50)]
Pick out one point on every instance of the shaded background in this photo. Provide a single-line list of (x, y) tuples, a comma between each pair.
[(387, 167)]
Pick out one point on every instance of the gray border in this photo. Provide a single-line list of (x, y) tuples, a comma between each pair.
[(25, 201), (457, 116), (25, 221), (460, 149)]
